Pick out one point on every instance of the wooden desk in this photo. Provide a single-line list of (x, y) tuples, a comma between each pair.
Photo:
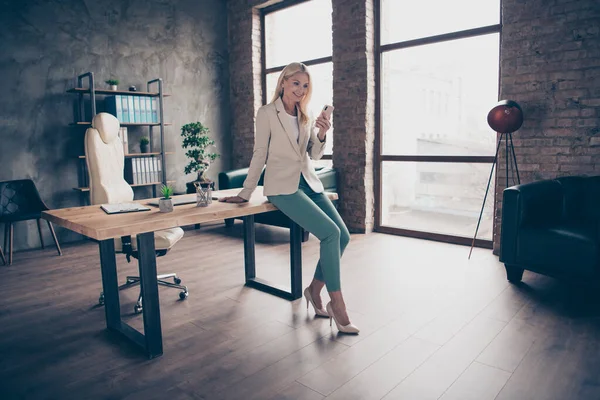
[(94, 223)]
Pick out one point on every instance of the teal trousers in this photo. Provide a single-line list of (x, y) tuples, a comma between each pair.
[(316, 214)]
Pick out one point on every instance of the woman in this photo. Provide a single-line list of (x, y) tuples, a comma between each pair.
[(285, 137)]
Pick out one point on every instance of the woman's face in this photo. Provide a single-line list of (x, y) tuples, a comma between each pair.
[(295, 87)]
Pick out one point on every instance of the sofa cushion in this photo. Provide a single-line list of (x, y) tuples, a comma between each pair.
[(565, 249), (232, 179)]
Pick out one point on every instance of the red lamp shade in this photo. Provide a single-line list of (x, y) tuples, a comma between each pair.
[(505, 117)]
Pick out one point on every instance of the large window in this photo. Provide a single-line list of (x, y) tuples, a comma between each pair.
[(300, 31), (438, 78)]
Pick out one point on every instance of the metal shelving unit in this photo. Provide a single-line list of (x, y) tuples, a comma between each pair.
[(92, 92)]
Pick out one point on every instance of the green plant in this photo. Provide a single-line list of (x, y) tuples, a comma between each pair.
[(196, 139), (144, 140), (112, 81), (166, 191)]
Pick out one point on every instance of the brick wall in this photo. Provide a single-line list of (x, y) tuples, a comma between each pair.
[(353, 97), (551, 66), (245, 79)]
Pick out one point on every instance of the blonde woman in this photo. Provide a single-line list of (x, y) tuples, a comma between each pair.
[(285, 138)]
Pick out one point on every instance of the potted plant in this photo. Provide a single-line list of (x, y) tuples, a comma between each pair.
[(165, 203), (196, 140), (144, 142), (112, 83)]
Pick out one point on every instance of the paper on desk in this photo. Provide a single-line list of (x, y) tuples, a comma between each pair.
[(123, 207)]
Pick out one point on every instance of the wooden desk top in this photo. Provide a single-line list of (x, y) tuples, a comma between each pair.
[(93, 222)]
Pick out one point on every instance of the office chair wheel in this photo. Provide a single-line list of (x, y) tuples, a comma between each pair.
[(101, 299), (138, 307), (176, 280), (183, 295)]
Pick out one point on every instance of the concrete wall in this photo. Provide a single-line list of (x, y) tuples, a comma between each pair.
[(45, 44)]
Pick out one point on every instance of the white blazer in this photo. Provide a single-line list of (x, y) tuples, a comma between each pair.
[(275, 144)]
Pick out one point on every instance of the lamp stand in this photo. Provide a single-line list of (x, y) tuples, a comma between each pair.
[(510, 150)]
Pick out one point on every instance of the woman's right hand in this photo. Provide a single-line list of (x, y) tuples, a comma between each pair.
[(232, 199)]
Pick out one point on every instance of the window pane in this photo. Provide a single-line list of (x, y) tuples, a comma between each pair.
[(441, 198), (405, 20), (300, 32), (322, 77), (435, 98)]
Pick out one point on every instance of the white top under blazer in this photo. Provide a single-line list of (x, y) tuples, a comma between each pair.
[(286, 156)]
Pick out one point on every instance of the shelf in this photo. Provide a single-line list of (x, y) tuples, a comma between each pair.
[(111, 92), (86, 189), (124, 123), (131, 155)]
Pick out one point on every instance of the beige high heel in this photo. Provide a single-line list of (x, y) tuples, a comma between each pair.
[(319, 312), (350, 328)]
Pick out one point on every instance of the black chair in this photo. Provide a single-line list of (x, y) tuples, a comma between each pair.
[(552, 227), (21, 201)]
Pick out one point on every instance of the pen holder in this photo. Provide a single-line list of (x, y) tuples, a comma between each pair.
[(204, 193)]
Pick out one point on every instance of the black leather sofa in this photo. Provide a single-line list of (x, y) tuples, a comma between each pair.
[(552, 227), (235, 179)]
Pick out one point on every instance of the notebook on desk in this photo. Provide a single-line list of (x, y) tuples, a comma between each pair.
[(117, 208)]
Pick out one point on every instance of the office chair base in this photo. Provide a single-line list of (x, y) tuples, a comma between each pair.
[(131, 281)]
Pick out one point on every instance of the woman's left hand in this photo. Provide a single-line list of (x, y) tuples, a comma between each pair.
[(322, 122)]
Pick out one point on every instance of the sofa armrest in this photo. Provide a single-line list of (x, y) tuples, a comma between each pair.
[(232, 179), (528, 205), (328, 178)]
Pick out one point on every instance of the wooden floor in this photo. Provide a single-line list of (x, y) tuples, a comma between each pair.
[(434, 325)]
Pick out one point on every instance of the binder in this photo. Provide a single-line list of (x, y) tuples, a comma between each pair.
[(143, 117), (124, 139), (130, 109), (136, 109), (154, 109), (125, 109), (149, 110), (114, 106)]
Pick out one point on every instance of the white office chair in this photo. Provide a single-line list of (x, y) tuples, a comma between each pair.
[(105, 162)]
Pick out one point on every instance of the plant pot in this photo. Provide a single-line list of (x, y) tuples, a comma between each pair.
[(165, 205), (191, 186), (143, 148), (113, 87)]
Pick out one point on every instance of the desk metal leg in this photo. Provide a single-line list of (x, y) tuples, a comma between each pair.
[(296, 259), (249, 247), (293, 293), (149, 283), (151, 341), (110, 285)]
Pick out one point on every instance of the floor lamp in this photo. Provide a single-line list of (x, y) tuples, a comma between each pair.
[(505, 118)]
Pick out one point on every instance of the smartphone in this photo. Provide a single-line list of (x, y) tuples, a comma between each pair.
[(327, 110)]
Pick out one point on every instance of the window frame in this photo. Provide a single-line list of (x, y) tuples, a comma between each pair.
[(379, 51)]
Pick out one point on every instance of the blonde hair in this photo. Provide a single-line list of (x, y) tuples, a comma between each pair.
[(287, 72)]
